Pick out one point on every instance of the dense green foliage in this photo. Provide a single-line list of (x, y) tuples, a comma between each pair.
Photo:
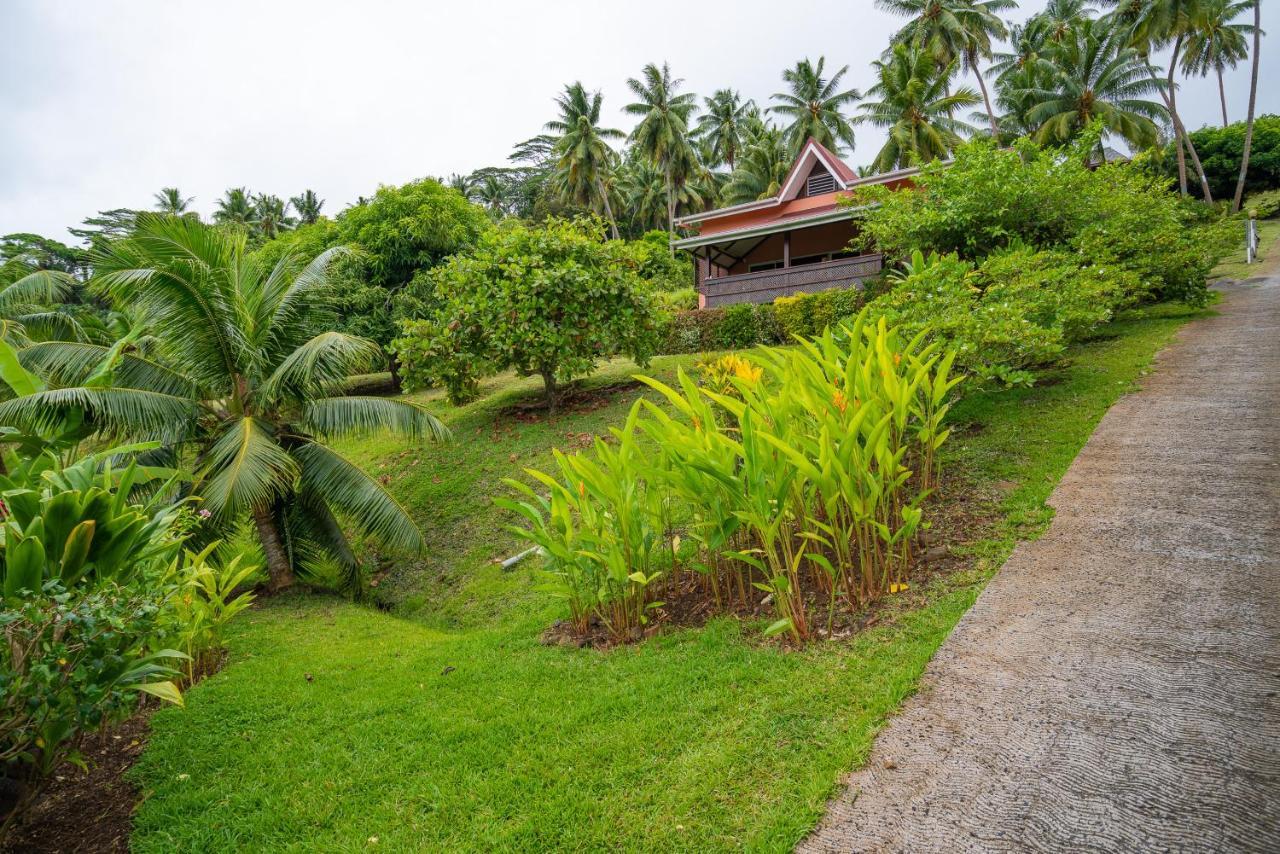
[(249, 376), (989, 199), (550, 301), (747, 324), (400, 232), (801, 468), (69, 666), (1221, 149)]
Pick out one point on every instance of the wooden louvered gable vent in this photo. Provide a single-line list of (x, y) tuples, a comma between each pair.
[(820, 181)]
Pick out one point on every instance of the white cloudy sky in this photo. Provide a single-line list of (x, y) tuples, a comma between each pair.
[(105, 101)]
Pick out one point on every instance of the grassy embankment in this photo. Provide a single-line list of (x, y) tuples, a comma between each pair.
[(443, 724)]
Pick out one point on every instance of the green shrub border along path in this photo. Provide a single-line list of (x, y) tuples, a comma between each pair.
[(446, 725)]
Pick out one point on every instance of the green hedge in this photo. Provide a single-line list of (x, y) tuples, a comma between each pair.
[(738, 327)]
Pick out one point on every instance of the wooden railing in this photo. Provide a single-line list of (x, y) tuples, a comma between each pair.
[(768, 285)]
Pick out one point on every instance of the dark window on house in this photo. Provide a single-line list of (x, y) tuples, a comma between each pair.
[(764, 265)]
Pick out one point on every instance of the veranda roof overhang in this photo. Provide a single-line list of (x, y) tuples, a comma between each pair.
[(737, 243)]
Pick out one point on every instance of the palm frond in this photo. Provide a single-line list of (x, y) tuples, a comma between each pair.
[(245, 469), (67, 363), (357, 496), (37, 288), (124, 411), (321, 365), (317, 544), (355, 415)]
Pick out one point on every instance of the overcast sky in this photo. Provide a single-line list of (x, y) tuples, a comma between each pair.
[(104, 102)]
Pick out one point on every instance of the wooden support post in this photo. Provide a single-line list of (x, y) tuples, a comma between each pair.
[(786, 249)]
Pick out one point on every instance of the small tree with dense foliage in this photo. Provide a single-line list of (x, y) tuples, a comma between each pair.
[(548, 301), (397, 233)]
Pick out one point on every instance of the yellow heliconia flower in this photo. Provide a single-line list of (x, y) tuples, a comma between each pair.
[(744, 370), (839, 401), (898, 588), (582, 489)]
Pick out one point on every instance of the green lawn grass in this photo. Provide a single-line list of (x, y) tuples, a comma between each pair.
[(1234, 267), (442, 724)]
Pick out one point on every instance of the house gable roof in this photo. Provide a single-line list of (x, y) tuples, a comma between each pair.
[(814, 152)]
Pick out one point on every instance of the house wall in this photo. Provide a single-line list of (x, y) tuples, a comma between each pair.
[(815, 240)]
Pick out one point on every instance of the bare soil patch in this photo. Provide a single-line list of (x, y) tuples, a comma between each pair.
[(90, 812)]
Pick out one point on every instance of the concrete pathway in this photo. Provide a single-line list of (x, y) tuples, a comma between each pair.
[(1115, 688)]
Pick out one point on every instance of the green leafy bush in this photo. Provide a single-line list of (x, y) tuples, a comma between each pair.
[(692, 331), (1262, 205), (768, 326), (1018, 310), (77, 525), (69, 666), (204, 596), (990, 199), (806, 315), (737, 328), (549, 301)]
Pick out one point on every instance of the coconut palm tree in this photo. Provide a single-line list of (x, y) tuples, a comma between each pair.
[(1015, 101), (492, 194), (1215, 44), (308, 206), (1253, 102), (814, 106), (583, 156), (915, 108), (948, 30), (762, 167), (235, 207), (1026, 49), (271, 215), (721, 126), (1095, 74), (247, 383), (29, 300), (170, 201), (1059, 18), (1151, 25), (662, 135)]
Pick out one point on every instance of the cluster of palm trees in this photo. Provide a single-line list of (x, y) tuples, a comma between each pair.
[(260, 214), (1047, 77)]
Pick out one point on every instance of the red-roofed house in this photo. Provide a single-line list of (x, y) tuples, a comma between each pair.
[(797, 241)]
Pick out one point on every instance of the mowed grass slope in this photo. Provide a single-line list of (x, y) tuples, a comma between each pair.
[(443, 724)]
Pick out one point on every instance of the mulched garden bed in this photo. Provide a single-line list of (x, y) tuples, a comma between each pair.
[(957, 519), (89, 812)]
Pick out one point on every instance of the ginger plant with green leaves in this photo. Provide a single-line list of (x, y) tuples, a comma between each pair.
[(803, 469)]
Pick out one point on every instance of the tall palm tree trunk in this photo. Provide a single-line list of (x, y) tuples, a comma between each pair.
[(1171, 102), (1253, 101), (1180, 130), (608, 209), (986, 99), (671, 213), (279, 572), (1222, 96)]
